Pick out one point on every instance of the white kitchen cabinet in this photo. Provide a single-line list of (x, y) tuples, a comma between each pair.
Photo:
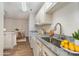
[(37, 19), (9, 40), (47, 52), (30, 41), (39, 46), (42, 17), (14, 39), (39, 49), (54, 6), (33, 42)]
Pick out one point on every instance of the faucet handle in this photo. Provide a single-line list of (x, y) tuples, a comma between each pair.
[(63, 36)]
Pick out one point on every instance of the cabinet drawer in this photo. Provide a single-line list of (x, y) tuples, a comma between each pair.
[(39, 43), (47, 52)]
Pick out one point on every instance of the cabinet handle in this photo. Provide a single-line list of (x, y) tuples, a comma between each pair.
[(45, 53), (38, 44)]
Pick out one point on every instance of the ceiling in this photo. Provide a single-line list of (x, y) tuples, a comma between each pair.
[(13, 9), (35, 6)]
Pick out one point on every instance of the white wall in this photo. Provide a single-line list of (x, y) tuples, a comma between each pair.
[(68, 17), (11, 24), (1, 28)]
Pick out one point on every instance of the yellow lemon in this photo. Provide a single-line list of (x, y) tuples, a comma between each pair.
[(62, 43), (65, 41), (71, 46), (66, 46), (76, 48)]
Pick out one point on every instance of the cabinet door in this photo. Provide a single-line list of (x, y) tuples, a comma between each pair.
[(13, 37), (33, 42), (47, 52), (39, 48), (7, 41), (42, 17), (37, 19), (30, 41)]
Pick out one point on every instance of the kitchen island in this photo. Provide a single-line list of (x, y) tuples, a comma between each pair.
[(9, 40)]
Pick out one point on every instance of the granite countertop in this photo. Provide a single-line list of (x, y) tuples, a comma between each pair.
[(54, 49)]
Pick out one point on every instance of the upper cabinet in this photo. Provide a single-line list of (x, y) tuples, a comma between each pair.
[(42, 17), (54, 6), (49, 5)]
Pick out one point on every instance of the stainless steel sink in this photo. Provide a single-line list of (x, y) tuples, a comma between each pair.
[(46, 39), (53, 41)]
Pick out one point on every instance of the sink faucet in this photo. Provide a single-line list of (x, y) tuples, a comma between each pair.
[(60, 34), (55, 28)]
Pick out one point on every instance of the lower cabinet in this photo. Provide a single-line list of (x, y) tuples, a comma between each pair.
[(47, 52), (40, 49), (37, 47), (33, 45), (31, 39)]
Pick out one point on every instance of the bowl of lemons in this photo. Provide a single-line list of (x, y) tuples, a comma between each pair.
[(69, 46)]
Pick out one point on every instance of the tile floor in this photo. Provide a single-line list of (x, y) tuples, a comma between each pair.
[(22, 49)]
